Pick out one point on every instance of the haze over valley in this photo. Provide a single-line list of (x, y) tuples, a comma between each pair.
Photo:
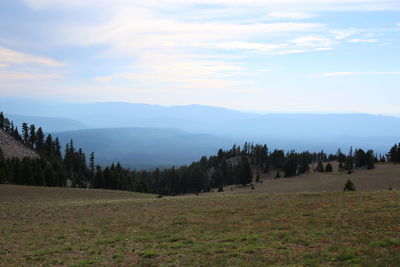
[(199, 133)]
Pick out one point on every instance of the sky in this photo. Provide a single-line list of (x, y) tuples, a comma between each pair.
[(253, 55)]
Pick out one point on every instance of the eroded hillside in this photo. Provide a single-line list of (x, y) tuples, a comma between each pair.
[(11, 148)]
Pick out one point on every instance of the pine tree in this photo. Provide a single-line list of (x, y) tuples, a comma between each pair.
[(32, 136), (244, 174), (290, 167), (99, 178), (370, 159), (48, 149), (7, 125), (1, 120), (25, 133), (329, 168), (91, 166), (57, 149), (40, 141), (320, 167)]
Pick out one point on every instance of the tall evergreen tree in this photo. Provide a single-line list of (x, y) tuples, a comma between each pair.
[(32, 136), (25, 133)]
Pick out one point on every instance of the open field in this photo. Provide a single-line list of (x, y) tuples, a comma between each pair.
[(45, 226), (383, 177)]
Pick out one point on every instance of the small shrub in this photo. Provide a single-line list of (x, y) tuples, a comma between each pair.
[(349, 186)]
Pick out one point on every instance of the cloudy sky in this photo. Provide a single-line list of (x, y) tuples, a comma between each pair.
[(259, 55)]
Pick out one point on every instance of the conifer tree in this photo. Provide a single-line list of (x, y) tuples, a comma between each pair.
[(320, 167), (1, 120), (244, 174), (40, 141), (329, 168), (91, 167), (25, 133), (32, 136)]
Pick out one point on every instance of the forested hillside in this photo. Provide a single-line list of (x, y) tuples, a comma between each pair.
[(238, 165)]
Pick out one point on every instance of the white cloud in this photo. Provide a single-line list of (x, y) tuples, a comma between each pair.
[(12, 56), (343, 34), (181, 71), (254, 47), (330, 5), (290, 15), (16, 75), (363, 40), (168, 50), (15, 65), (358, 73), (398, 24), (313, 41), (323, 48), (288, 52)]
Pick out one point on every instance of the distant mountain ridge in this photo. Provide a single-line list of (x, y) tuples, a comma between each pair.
[(205, 125), (49, 124), (145, 147), (207, 119)]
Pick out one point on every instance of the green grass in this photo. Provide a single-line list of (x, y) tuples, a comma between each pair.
[(328, 229)]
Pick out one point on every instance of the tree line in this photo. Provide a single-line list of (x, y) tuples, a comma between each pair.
[(235, 166)]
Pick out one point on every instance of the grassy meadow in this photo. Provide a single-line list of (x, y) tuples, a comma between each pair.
[(78, 227)]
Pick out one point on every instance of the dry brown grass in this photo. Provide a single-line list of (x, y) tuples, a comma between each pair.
[(383, 177), (70, 227)]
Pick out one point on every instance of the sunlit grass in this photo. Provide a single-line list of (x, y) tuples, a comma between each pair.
[(339, 229)]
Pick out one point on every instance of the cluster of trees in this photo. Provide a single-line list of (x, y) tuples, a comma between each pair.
[(51, 169), (234, 166), (394, 154)]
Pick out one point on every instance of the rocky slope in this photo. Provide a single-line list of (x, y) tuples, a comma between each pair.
[(11, 148)]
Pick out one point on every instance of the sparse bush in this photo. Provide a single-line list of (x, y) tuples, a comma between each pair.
[(278, 175), (349, 186)]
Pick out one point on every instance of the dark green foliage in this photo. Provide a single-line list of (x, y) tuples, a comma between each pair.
[(360, 158), (349, 186), (341, 166), (291, 164), (243, 172), (328, 168), (349, 163), (320, 167), (370, 159), (394, 154), (229, 167), (277, 159), (305, 160)]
